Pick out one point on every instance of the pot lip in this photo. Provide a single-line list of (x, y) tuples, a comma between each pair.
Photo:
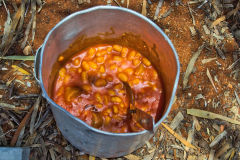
[(135, 14)]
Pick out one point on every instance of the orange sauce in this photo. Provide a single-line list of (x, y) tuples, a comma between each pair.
[(89, 86)]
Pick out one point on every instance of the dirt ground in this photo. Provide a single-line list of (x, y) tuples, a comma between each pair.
[(199, 93)]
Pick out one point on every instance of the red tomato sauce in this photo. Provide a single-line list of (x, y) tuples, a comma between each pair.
[(89, 86)]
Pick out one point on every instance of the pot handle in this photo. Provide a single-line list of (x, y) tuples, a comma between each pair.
[(36, 64)]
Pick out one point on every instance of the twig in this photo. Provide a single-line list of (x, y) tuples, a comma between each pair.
[(238, 100), (116, 1), (217, 21), (211, 155), (22, 124), (180, 138), (2, 137), (211, 80), (210, 115), (190, 11), (128, 1), (234, 64), (33, 7), (23, 71), (34, 114), (19, 58)]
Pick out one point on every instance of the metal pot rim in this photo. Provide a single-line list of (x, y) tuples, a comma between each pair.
[(147, 21)]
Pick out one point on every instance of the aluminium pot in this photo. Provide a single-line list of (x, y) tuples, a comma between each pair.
[(106, 24)]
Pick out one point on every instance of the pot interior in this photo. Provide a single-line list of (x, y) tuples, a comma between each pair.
[(111, 26)]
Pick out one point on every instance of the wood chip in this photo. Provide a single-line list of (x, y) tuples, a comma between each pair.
[(149, 156), (132, 157), (180, 138), (52, 154), (218, 138), (211, 155), (193, 31), (220, 52), (210, 115), (222, 150), (144, 8), (34, 114), (204, 61), (158, 9), (234, 64), (189, 140), (217, 21), (191, 65), (177, 120), (211, 80), (196, 123), (206, 30)]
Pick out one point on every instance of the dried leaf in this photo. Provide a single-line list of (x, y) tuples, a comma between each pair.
[(180, 138), (211, 80), (144, 8), (19, 58), (23, 71), (34, 114), (211, 155), (218, 139), (191, 65), (177, 120), (210, 115), (7, 29), (21, 125), (158, 9)]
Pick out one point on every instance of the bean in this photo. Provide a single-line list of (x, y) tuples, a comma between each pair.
[(116, 99), (139, 70), (122, 105), (85, 66), (60, 58), (138, 55), (79, 70), (109, 78), (121, 91), (146, 62), (98, 98), (100, 82), (129, 71), (109, 49), (70, 93), (97, 120), (106, 100), (107, 120), (86, 87), (136, 62), (117, 48), (62, 72), (76, 61), (122, 77), (155, 74), (102, 69), (107, 112), (101, 53), (115, 109), (113, 67), (93, 65), (91, 52), (136, 81), (111, 92), (99, 106), (131, 55), (84, 77), (66, 78), (117, 58), (60, 91), (118, 86), (124, 52), (100, 59), (119, 69)]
